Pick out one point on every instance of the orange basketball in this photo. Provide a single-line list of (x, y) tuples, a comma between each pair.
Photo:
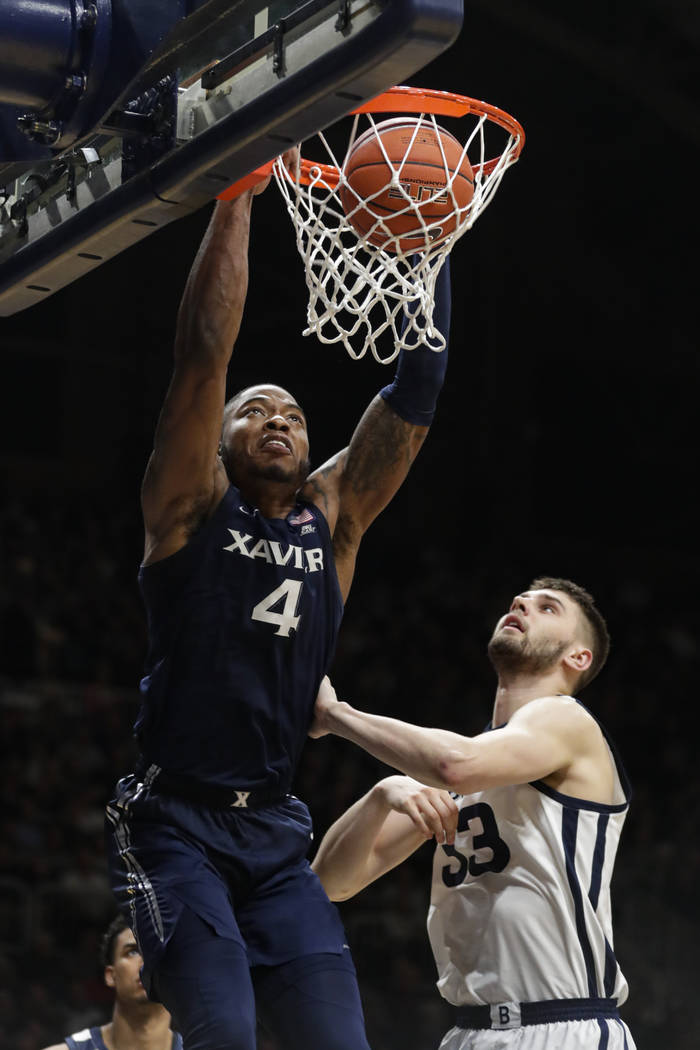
[(422, 176)]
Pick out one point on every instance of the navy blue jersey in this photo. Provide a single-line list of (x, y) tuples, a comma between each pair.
[(243, 622), (91, 1039)]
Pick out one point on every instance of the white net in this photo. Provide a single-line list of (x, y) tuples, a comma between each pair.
[(380, 298)]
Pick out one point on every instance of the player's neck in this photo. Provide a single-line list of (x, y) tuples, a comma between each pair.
[(142, 1026), (513, 692), (271, 499)]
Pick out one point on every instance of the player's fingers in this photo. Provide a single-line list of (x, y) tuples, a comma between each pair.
[(449, 815), (291, 159), (440, 815), (414, 811), (261, 186), (433, 818)]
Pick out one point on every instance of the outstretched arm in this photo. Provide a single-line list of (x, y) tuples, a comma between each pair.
[(379, 831), (355, 486), (184, 479), (541, 738)]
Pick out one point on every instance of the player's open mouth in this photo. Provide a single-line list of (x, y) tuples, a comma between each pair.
[(514, 622), (277, 444)]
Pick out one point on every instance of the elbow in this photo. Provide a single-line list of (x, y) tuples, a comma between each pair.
[(336, 888), (452, 772), (339, 893), (336, 891)]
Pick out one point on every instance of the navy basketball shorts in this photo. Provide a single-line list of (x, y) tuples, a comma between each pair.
[(244, 872)]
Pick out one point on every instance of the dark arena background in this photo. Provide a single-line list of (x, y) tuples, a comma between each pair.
[(565, 443)]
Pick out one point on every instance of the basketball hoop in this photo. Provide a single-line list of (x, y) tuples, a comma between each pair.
[(357, 290)]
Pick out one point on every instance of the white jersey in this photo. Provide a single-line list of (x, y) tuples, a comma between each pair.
[(520, 905)]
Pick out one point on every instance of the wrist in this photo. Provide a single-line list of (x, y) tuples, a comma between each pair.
[(381, 793), (333, 717)]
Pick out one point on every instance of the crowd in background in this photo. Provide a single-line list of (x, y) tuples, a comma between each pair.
[(72, 644)]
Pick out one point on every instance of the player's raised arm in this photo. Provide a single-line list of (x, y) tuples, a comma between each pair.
[(381, 830), (359, 482), (542, 738), (185, 479)]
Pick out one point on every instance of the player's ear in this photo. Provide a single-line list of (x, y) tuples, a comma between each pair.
[(109, 976), (578, 659)]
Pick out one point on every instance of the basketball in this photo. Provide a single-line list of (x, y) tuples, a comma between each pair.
[(432, 156)]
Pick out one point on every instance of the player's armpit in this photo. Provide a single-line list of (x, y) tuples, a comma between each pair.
[(323, 485)]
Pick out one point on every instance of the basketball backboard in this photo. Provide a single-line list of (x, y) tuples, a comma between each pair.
[(120, 116)]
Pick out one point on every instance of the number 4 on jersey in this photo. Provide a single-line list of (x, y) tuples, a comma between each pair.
[(285, 619)]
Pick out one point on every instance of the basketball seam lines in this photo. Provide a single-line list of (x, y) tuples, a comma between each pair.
[(419, 163)]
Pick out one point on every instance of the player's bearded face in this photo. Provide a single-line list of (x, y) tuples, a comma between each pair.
[(515, 652)]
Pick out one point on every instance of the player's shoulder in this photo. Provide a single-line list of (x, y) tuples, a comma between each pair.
[(560, 709)]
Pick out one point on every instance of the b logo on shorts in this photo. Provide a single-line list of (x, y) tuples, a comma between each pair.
[(241, 799), (505, 1015)]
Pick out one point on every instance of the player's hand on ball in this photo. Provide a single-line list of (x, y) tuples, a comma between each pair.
[(433, 811), (324, 701)]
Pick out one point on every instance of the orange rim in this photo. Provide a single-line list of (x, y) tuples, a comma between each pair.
[(423, 100), (402, 99)]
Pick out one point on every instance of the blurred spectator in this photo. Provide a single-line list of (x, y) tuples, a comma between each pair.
[(136, 1023)]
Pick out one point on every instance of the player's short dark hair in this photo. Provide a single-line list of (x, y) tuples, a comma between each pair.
[(599, 629), (109, 939)]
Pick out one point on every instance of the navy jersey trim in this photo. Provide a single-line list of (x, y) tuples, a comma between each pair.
[(621, 771), (604, 1033), (611, 968), (598, 860), (571, 802), (95, 1035), (569, 833), (94, 1041)]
